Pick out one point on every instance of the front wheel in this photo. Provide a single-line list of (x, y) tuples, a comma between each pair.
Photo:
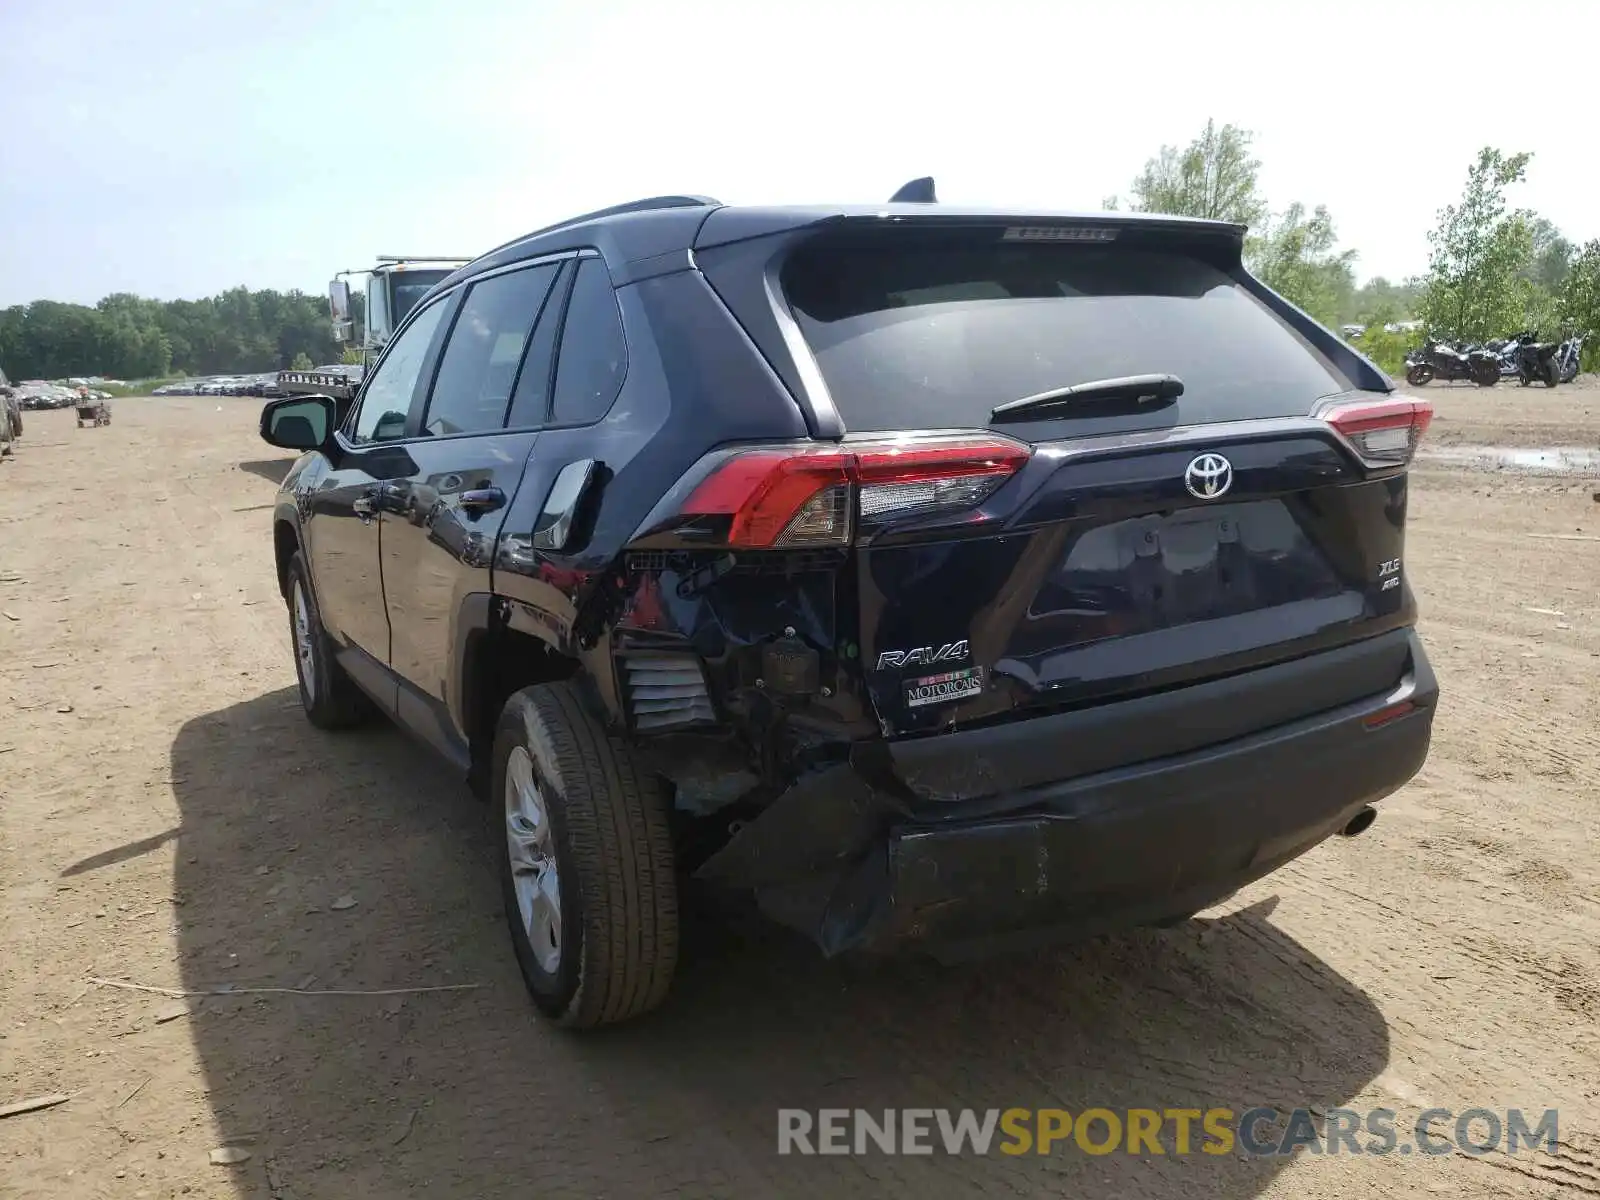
[(330, 698), (587, 873), (1419, 375)]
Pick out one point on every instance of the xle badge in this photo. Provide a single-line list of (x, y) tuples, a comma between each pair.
[(941, 689)]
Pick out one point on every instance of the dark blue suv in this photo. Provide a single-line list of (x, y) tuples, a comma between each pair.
[(955, 578)]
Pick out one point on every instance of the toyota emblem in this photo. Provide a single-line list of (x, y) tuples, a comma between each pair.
[(1208, 476)]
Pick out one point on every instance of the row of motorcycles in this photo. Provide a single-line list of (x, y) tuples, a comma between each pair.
[(1522, 356)]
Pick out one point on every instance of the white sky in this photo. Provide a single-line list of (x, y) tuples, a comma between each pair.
[(177, 148)]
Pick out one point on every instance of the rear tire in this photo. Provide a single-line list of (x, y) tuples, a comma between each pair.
[(1419, 376), (1552, 374), (1485, 374), (591, 841), (330, 698)]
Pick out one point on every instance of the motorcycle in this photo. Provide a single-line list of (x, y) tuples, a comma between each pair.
[(1568, 357), (1536, 360), (1505, 355), (1437, 360)]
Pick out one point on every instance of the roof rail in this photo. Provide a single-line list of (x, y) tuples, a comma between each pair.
[(616, 210), (420, 258)]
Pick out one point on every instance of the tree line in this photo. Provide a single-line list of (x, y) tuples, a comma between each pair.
[(1493, 269), (130, 337)]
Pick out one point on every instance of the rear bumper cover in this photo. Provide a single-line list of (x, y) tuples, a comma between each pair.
[(858, 864)]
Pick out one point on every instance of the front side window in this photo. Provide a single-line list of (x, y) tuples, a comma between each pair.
[(485, 350), (387, 398)]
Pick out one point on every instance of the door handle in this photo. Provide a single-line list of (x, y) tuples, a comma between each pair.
[(479, 500), (394, 497)]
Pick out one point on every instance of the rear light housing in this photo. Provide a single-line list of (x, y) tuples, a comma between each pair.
[(1383, 433), (810, 494)]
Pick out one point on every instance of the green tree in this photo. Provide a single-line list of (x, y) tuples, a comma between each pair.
[(1378, 300), (1296, 256), (1552, 256), (1580, 301), (1476, 287), (1214, 176), (301, 362)]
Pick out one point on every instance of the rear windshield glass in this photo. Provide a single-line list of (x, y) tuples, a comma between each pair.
[(929, 336)]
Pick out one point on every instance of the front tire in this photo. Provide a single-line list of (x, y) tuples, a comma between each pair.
[(1419, 375), (330, 698), (587, 874)]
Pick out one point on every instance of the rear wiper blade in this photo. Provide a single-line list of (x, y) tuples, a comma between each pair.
[(1140, 390)]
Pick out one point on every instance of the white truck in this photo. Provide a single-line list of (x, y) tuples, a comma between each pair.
[(393, 288)]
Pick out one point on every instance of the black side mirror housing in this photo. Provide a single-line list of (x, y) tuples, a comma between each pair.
[(299, 422)]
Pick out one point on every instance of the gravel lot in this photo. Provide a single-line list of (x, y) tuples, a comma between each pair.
[(168, 818)]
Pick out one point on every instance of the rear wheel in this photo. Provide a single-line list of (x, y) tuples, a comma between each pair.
[(587, 871), (1419, 375), (1552, 374), (1485, 374), (330, 698)]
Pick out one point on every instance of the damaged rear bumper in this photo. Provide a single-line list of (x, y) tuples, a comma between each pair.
[(855, 858)]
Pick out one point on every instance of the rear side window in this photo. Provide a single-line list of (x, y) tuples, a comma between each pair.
[(931, 335), (480, 362), (594, 354)]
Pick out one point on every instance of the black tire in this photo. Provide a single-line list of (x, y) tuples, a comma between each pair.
[(330, 698), (1419, 375), (1552, 374), (1485, 374), (612, 850)]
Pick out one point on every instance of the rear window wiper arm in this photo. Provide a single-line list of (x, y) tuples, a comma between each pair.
[(1141, 390)]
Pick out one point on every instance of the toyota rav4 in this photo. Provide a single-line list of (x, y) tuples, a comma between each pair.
[(950, 578)]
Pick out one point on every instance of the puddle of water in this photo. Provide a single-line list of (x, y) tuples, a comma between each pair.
[(1556, 460)]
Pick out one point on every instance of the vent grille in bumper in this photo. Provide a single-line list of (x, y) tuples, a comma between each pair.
[(666, 691)]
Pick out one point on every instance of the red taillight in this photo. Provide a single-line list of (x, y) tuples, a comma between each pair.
[(809, 495), (1383, 433)]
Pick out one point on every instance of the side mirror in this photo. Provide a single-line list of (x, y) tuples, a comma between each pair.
[(339, 301), (299, 422)]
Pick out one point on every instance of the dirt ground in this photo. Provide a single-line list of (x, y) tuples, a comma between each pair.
[(168, 818)]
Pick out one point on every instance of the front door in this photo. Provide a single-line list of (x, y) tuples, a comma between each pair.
[(441, 519), (342, 524)]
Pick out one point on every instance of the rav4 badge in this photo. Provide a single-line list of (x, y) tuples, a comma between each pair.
[(949, 652)]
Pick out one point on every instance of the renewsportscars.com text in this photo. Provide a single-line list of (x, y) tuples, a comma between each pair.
[(1177, 1131)]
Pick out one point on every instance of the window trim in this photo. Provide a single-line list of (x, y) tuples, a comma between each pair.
[(419, 431), (562, 284), (345, 435)]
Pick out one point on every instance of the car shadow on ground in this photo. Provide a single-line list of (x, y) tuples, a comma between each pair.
[(466, 1093), (271, 469)]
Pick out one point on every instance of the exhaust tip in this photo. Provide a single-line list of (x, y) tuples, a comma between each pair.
[(1361, 822)]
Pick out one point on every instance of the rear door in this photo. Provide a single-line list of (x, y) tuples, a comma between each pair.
[(1139, 539), (441, 518)]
